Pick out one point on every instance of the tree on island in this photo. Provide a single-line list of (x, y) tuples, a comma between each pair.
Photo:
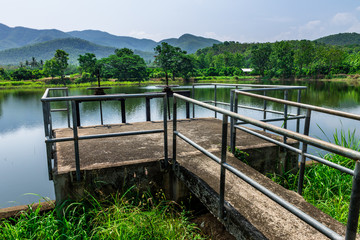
[(57, 65), (124, 65), (89, 64), (173, 60)]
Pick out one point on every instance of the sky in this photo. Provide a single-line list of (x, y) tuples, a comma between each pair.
[(224, 20)]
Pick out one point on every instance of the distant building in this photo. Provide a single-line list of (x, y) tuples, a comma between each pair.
[(247, 70)]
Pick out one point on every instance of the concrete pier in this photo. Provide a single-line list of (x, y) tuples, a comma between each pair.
[(111, 164)]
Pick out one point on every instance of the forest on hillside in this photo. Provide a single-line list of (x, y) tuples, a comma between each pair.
[(282, 59)]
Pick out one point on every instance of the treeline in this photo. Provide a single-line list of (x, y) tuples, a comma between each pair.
[(283, 59)]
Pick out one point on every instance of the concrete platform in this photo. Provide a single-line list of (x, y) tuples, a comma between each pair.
[(99, 153), (260, 216)]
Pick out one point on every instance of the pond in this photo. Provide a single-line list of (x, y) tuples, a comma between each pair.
[(23, 168)]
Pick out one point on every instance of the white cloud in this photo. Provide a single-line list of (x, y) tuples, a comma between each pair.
[(343, 19), (358, 8)]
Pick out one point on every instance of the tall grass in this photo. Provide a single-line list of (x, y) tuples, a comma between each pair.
[(125, 216), (326, 188)]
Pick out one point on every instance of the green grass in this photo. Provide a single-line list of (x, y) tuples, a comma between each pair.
[(128, 216), (326, 188)]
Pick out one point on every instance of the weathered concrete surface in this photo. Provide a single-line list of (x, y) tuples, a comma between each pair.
[(260, 217), (100, 153), (12, 212)]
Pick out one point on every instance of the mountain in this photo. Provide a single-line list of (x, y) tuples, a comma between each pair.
[(20, 36), (191, 43), (106, 39), (341, 39), (73, 46), (46, 50)]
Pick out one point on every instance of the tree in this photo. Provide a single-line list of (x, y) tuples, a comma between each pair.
[(61, 58), (87, 63), (124, 65), (260, 57), (51, 68), (283, 59), (167, 57)]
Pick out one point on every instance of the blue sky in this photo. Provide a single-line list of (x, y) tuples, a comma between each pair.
[(225, 20)]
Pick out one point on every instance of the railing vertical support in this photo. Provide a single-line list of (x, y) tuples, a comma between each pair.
[(353, 217), (193, 97), (123, 111), (174, 130), (76, 140), (233, 135), (286, 96), (215, 98), (148, 113), (49, 157), (165, 132), (303, 151), (232, 120), (265, 107), (101, 113), (223, 161), (298, 111), (67, 107)]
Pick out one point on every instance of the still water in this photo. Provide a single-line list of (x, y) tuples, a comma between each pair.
[(23, 169)]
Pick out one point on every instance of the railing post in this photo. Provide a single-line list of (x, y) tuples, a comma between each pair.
[(232, 129), (67, 107), (265, 107), (353, 217), (223, 161), (215, 99), (76, 140), (77, 111), (165, 132), (298, 111), (303, 151), (193, 97), (233, 143), (49, 157), (148, 114), (123, 112), (174, 130), (101, 114), (286, 96)]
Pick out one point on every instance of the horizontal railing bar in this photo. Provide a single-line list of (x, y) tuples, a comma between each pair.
[(59, 110), (298, 151), (330, 164), (273, 89), (302, 105), (276, 119), (300, 137), (101, 97), (198, 147), (288, 206), (106, 135), (120, 134), (281, 144), (250, 85)]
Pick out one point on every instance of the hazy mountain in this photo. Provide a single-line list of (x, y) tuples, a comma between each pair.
[(73, 46), (20, 36), (341, 39), (46, 50), (106, 39), (191, 43)]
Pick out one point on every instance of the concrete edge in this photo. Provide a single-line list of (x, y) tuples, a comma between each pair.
[(15, 211)]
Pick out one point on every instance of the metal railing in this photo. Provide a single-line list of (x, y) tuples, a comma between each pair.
[(264, 89), (306, 140), (50, 140)]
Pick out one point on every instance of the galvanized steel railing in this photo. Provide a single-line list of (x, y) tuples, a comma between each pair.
[(50, 140), (355, 196), (265, 110)]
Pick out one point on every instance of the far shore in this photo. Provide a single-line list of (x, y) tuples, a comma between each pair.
[(352, 80)]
